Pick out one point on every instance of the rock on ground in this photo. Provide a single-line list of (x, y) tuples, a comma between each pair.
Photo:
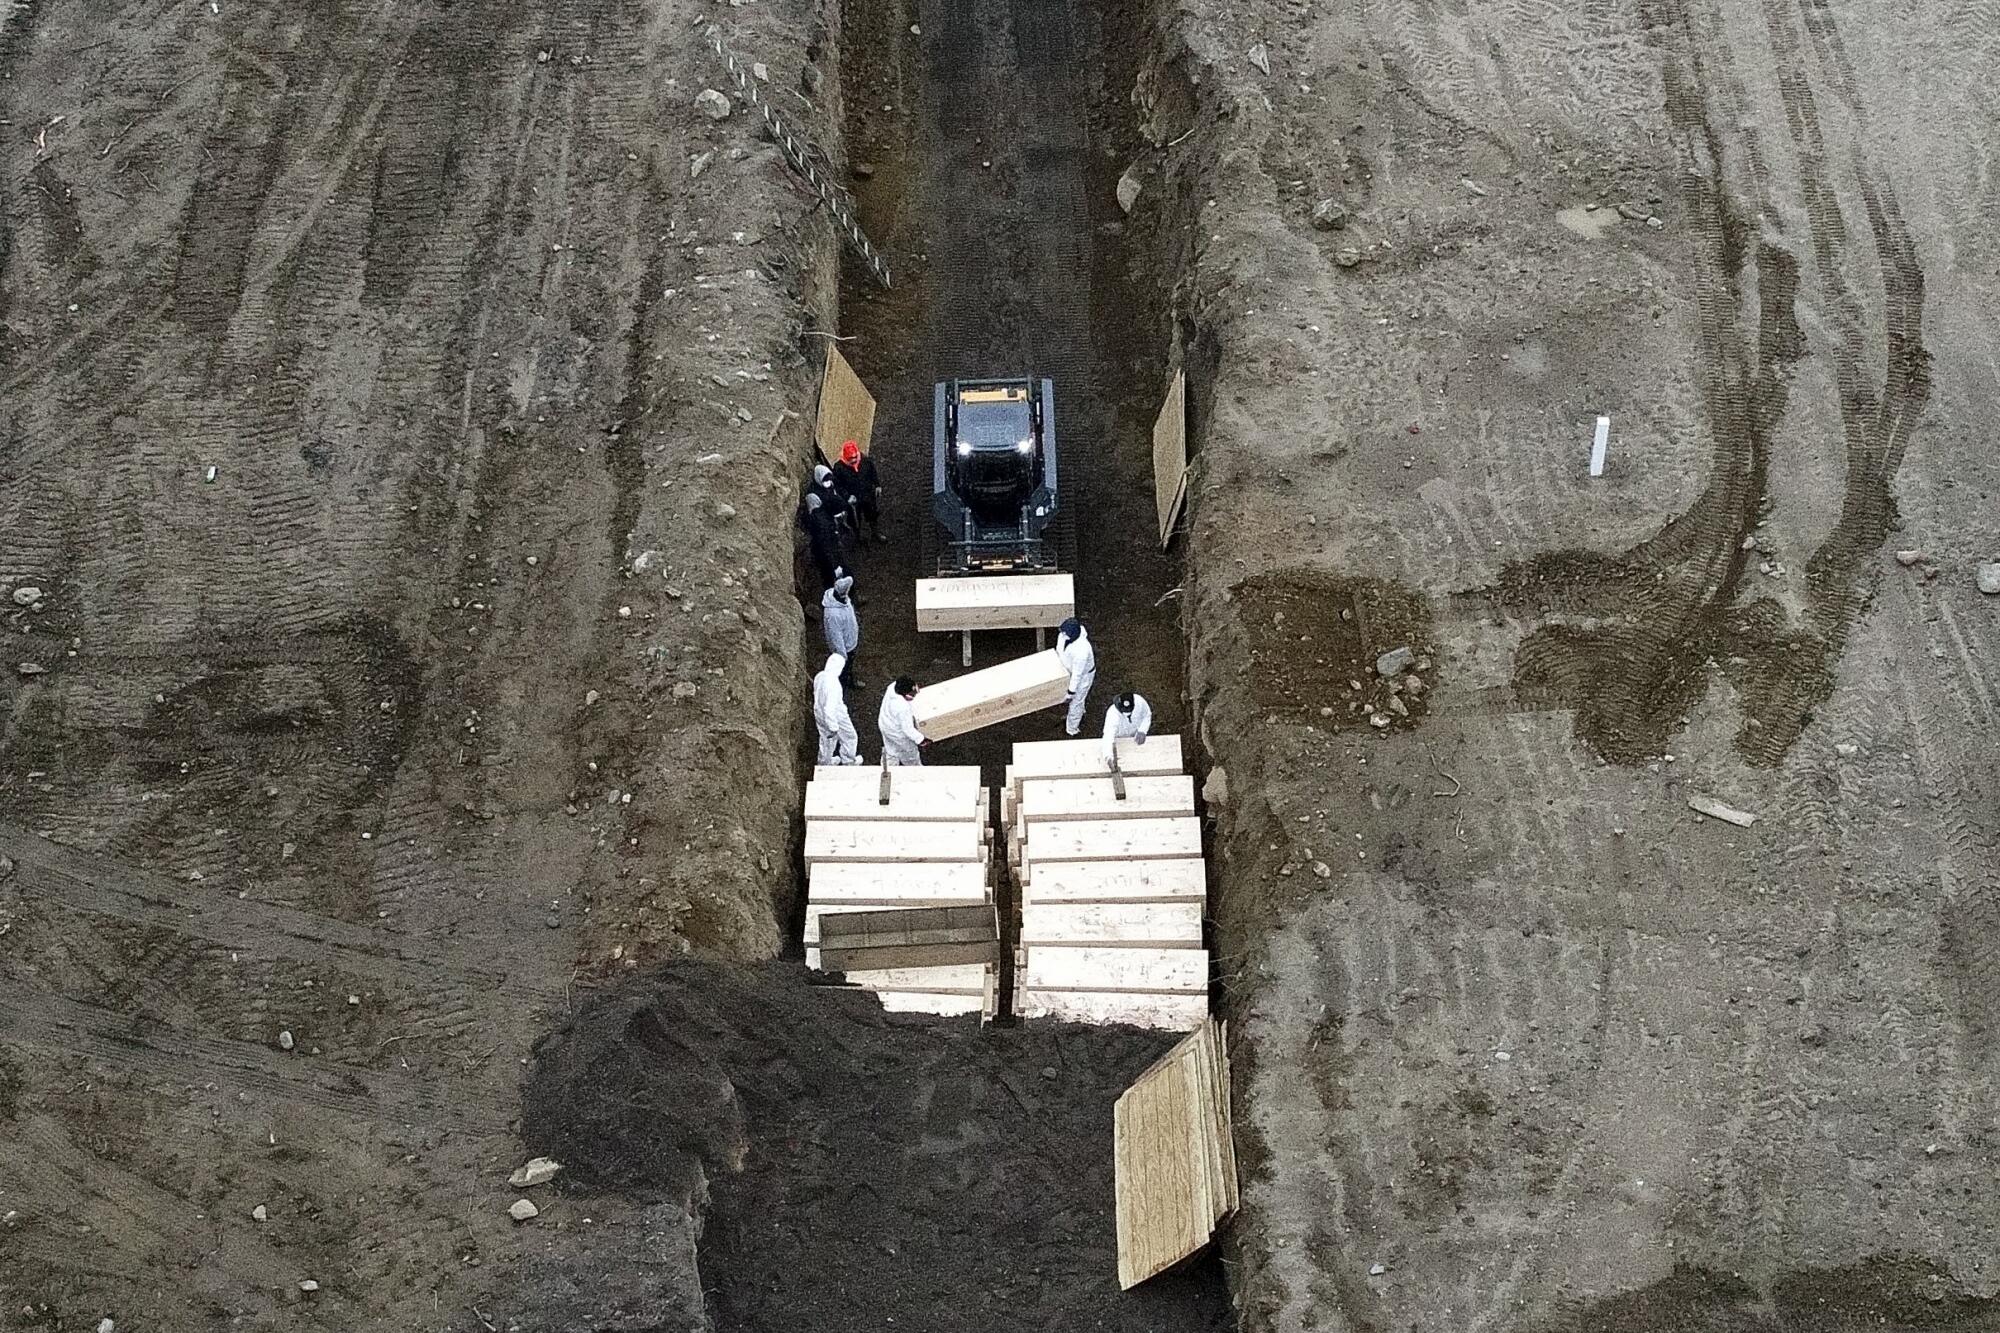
[(1395, 661)]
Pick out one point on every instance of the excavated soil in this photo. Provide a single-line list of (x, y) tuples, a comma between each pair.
[(1524, 1042), (861, 1170), (390, 423), (403, 415)]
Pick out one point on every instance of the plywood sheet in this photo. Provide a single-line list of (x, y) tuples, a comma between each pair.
[(1111, 840), (1173, 925), (846, 408), (956, 798), (981, 698), (1102, 968), (1174, 1156), (1170, 456), (891, 840), (1085, 759), (1118, 881), (1097, 798), (854, 882), (1165, 1013), (996, 601)]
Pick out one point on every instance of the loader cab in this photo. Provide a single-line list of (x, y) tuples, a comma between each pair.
[(993, 491), (994, 455)]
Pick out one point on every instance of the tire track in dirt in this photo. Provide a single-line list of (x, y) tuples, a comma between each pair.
[(1400, 1001), (1962, 791), (240, 160), (332, 709), (58, 876), (122, 1041), (49, 1173), (1656, 621), (343, 375)]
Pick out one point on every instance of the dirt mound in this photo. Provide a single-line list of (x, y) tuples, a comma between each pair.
[(1891, 1293), (864, 1170), (1314, 642)]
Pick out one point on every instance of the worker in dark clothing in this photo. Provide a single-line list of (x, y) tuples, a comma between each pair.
[(857, 479), (839, 506), (822, 541)]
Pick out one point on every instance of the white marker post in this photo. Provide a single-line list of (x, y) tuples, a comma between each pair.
[(1597, 446)]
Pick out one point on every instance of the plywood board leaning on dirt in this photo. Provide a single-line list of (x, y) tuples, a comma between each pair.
[(1170, 463), (909, 937), (1085, 759), (998, 601), (994, 694), (846, 408), (1174, 1156), (1094, 798), (892, 840)]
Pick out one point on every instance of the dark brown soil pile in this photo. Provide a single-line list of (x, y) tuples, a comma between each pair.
[(864, 1170)]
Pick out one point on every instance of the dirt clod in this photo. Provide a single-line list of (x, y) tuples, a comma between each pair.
[(536, 1171)]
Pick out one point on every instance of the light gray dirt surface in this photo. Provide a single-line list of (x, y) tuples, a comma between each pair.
[(370, 377), (1524, 1042)]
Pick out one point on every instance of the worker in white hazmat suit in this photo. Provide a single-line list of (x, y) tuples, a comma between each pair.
[(1129, 715), (841, 625), (902, 743), (1080, 660), (838, 743)]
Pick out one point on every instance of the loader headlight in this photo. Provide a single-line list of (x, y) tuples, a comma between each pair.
[(1025, 446), (964, 448)]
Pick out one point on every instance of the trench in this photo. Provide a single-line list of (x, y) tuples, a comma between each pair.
[(989, 141), (986, 138)]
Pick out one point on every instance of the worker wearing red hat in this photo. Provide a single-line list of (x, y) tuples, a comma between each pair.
[(855, 477)]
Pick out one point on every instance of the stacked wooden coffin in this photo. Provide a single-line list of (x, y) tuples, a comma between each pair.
[(880, 843), (1112, 887)]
